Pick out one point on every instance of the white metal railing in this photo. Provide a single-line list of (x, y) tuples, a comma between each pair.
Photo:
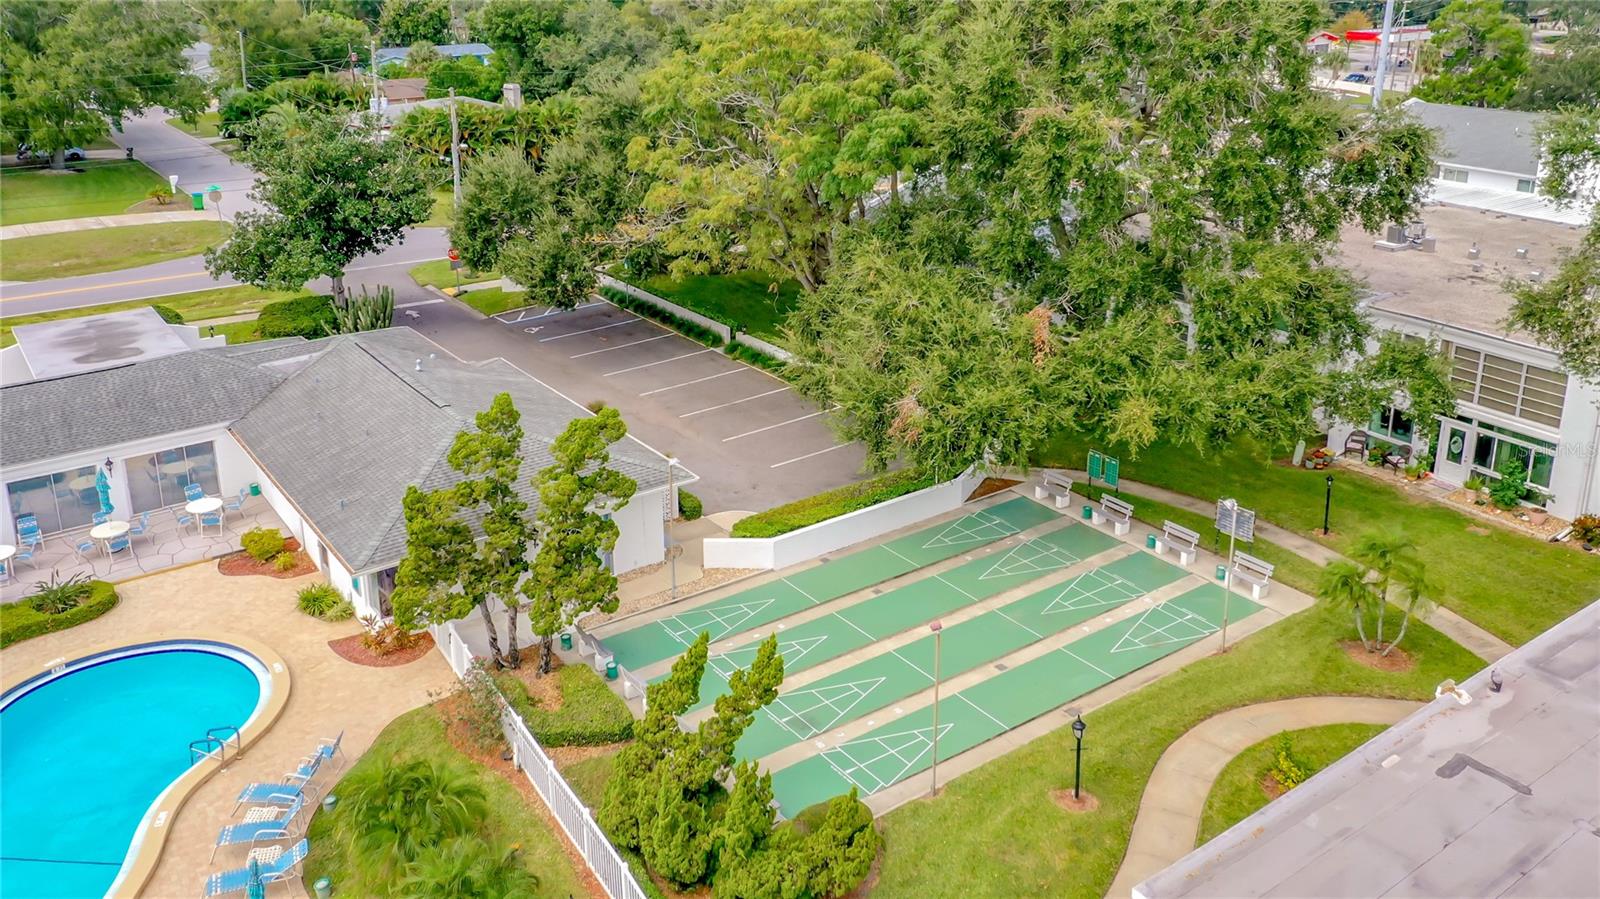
[(574, 817)]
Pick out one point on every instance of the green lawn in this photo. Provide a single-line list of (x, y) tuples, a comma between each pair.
[(104, 249), (512, 819), (1513, 586), (206, 126), (444, 208), (438, 274), (1237, 792), (744, 298), (219, 302), (490, 300), (996, 831), (101, 188)]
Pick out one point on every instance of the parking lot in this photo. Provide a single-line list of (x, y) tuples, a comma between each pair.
[(752, 440)]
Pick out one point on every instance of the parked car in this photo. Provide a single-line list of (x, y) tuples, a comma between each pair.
[(1357, 78), (74, 154)]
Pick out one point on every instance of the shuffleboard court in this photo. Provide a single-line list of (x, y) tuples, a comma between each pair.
[(883, 679), (903, 746), (830, 636), (667, 637)]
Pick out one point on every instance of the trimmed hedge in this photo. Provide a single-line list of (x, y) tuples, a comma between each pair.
[(757, 358), (590, 714), (307, 316), (18, 621), (689, 505), (168, 314), (805, 512), (655, 313)]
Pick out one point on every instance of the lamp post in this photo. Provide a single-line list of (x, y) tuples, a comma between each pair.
[(1078, 727), (938, 639), (1327, 504), (1232, 505), (672, 497)]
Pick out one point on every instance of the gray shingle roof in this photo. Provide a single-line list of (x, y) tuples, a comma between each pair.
[(72, 414), (348, 433), (1500, 139)]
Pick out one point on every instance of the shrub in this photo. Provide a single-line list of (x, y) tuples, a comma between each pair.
[(757, 358), (590, 714), (262, 543), (689, 506), (385, 638), (284, 561), (307, 316), (1474, 483), (804, 512), (1287, 769), (55, 596), (478, 706), (168, 314), (651, 311), (162, 195), (317, 600), (395, 809), (364, 313), (1586, 529), (341, 611), (468, 866), (1507, 492), (20, 621)]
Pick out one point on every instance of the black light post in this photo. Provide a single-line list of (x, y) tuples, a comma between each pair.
[(1327, 504), (1078, 727)]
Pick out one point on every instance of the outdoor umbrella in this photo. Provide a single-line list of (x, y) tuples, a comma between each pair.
[(102, 486), (254, 888)]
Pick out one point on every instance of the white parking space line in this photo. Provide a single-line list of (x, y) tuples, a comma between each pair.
[(733, 403), (778, 425), (723, 374), (526, 313), (620, 346), (590, 330), (623, 371), (809, 455)]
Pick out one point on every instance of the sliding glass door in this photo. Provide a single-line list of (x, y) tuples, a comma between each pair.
[(60, 501), (157, 481)]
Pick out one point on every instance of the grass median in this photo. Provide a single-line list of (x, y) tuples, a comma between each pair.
[(756, 301), (104, 249), (86, 189), (220, 302)]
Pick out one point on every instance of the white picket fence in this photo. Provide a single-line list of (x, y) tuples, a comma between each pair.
[(574, 817)]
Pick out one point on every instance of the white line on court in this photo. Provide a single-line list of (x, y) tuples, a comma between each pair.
[(732, 403), (779, 424), (809, 455), (723, 374), (589, 330), (620, 346), (623, 371)]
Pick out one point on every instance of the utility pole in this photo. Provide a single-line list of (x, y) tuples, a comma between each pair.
[(244, 82), (372, 65), (455, 149), (1383, 54), (672, 497)]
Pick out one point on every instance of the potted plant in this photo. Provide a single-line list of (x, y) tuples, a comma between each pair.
[(1475, 483), (1538, 515)]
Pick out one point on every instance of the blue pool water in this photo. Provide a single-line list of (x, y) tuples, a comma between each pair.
[(83, 756)]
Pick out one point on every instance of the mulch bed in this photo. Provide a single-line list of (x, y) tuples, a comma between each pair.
[(991, 486), (351, 649), (240, 563), (1086, 802), (1393, 663), (1271, 787)]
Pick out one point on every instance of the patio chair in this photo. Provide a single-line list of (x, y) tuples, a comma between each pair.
[(292, 788), (261, 823), (211, 520), (1356, 443), (193, 491), (273, 864), (100, 517), (184, 519), (141, 527), (327, 748), (237, 505), (5, 571), (1398, 458), (24, 554), (28, 530), (85, 549)]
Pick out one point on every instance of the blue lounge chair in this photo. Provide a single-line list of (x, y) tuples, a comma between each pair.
[(271, 868), (237, 505), (273, 794), (326, 748), (192, 491), (276, 826)]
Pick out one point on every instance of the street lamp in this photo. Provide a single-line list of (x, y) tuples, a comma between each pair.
[(1078, 727), (1327, 504), (672, 494), (938, 639), (1232, 505)]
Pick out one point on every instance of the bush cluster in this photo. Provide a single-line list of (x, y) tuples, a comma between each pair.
[(651, 311), (322, 601), (307, 316), (262, 543), (1287, 768), (831, 504), (757, 358), (689, 505), (1586, 529), (20, 620), (168, 314), (590, 714)]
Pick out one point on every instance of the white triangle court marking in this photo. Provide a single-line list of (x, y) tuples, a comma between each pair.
[(979, 527), (896, 754), (720, 622), (1091, 590), (1180, 626), (792, 651), (1033, 557), (839, 699)]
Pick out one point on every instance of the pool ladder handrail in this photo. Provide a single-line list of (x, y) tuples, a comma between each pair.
[(202, 748), (223, 739)]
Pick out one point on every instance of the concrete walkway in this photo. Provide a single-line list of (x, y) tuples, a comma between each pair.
[(94, 222), (1477, 641), (1169, 812)]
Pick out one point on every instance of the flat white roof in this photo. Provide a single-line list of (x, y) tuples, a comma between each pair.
[(75, 345)]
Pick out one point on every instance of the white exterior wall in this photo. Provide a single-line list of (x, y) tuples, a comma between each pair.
[(642, 533), (362, 595), (1487, 179)]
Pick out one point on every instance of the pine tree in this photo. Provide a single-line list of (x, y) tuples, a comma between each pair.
[(677, 840), (841, 849), (631, 789), (746, 823)]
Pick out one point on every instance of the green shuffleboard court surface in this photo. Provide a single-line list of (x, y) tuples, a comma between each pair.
[(667, 637), (873, 684), (902, 746), (830, 636)]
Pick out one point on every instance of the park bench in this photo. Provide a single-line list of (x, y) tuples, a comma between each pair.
[(1180, 538), (1253, 571), (1114, 510), (1055, 485)]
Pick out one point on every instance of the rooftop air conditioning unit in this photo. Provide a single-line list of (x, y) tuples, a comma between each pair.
[(1394, 234), (1474, 253), (1522, 252)]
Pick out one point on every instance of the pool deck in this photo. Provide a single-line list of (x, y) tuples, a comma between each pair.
[(328, 694)]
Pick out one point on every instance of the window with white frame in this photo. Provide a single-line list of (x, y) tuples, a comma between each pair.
[(1506, 385), (1447, 173), (1524, 185)]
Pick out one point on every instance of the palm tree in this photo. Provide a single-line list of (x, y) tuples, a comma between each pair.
[(467, 866), (1416, 589), (1345, 583), (1393, 559), (395, 810)]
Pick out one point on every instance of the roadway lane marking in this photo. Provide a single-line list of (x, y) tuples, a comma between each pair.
[(55, 293), (809, 455), (620, 346), (687, 383), (588, 330), (734, 403), (623, 371), (779, 424)]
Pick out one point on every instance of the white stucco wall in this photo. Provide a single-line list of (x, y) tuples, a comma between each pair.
[(642, 527), (1485, 179)]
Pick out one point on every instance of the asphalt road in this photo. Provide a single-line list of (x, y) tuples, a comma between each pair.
[(197, 164)]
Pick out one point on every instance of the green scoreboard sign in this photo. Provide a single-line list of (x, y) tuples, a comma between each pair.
[(1103, 467)]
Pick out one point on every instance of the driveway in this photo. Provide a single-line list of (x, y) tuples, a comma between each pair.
[(197, 164), (753, 441)]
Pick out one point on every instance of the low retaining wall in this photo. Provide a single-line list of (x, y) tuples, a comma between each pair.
[(836, 533), (756, 343), (710, 324)]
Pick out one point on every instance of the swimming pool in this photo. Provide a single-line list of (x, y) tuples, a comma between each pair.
[(88, 749)]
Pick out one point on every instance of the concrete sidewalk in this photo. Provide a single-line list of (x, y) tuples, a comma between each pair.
[(1478, 641), (95, 222), (1169, 812)]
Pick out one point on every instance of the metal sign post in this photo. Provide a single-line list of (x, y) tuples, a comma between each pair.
[(214, 194), (1238, 524)]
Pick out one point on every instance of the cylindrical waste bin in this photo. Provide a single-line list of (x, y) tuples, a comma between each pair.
[(199, 200), (1222, 572), (255, 489), (1088, 512), (611, 671), (1149, 541), (566, 641), (324, 887)]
